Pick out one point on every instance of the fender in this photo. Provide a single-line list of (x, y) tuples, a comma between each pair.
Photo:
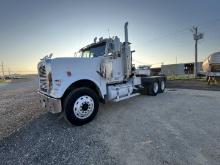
[(70, 84)]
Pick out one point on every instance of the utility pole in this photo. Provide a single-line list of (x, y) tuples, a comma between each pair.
[(196, 36), (9, 73), (176, 67), (3, 74)]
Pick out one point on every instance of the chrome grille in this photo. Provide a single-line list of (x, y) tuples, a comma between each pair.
[(43, 83)]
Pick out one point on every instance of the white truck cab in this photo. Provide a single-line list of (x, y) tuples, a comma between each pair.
[(102, 72)]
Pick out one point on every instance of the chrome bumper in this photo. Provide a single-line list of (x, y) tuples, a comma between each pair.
[(50, 104)]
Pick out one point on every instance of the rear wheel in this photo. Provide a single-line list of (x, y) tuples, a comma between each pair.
[(153, 88), (162, 86), (81, 106)]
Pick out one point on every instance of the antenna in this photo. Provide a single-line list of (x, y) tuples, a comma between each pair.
[(50, 55), (95, 39)]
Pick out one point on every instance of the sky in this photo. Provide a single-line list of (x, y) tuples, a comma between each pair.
[(159, 30)]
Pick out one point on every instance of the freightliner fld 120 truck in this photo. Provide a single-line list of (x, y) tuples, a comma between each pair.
[(103, 72)]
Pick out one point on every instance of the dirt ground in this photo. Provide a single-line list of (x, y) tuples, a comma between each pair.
[(178, 127), (199, 84), (19, 104)]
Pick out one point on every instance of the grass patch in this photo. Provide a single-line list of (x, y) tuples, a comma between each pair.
[(5, 81), (185, 77), (2, 81)]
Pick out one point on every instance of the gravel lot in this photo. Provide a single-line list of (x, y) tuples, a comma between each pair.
[(177, 127), (19, 104)]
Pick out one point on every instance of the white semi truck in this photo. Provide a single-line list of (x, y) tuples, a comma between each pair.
[(103, 72)]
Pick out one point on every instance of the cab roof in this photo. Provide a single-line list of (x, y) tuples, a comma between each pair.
[(94, 44)]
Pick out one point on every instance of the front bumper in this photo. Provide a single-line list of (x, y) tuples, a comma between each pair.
[(50, 104)]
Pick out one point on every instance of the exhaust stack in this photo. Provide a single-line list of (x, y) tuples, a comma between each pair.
[(127, 54), (126, 32)]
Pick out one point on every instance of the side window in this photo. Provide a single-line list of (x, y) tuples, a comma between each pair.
[(97, 51), (110, 48), (86, 54), (94, 51), (91, 55)]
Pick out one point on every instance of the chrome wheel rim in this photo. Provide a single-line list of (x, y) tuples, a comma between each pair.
[(155, 87), (83, 107), (162, 86)]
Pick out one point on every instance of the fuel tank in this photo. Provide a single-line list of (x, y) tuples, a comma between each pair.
[(212, 63), (119, 90)]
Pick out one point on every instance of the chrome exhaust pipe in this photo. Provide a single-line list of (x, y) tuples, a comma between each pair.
[(126, 32)]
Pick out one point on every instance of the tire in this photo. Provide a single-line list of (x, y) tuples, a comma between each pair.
[(153, 88), (81, 106), (162, 86)]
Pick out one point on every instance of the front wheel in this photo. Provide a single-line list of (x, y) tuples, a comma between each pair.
[(81, 106)]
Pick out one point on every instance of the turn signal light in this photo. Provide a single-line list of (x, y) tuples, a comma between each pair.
[(68, 73)]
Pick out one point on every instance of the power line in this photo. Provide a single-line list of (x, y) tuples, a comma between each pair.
[(140, 62), (145, 63), (207, 23), (169, 35), (180, 31)]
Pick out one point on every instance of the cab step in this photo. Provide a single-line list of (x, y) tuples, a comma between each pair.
[(125, 97)]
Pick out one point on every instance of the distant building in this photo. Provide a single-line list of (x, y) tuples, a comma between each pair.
[(155, 71), (176, 69)]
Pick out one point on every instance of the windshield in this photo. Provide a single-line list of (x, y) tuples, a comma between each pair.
[(94, 51)]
